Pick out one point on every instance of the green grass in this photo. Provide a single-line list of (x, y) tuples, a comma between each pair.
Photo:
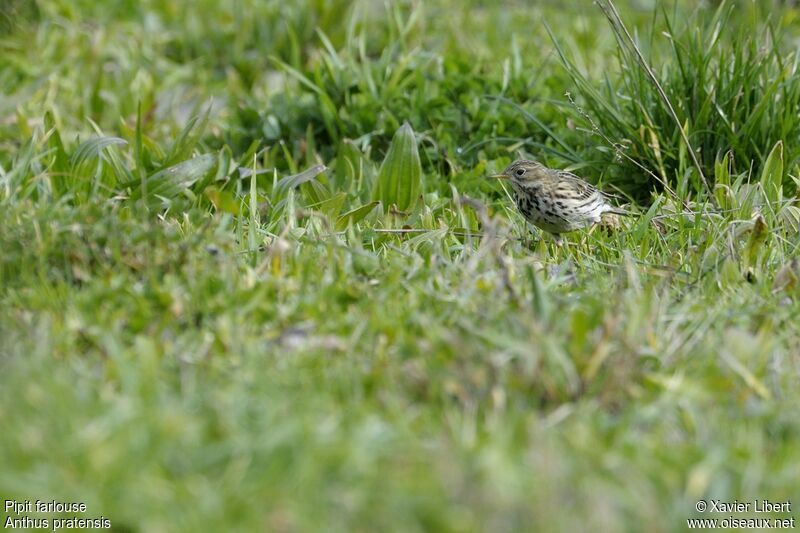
[(201, 329), (732, 87)]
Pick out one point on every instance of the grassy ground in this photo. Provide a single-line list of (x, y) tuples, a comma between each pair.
[(193, 339)]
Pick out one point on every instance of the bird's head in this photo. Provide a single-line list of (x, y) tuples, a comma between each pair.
[(522, 172)]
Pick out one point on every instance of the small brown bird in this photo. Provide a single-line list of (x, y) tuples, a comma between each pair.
[(556, 201)]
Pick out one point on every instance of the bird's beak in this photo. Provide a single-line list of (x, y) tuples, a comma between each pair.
[(499, 176)]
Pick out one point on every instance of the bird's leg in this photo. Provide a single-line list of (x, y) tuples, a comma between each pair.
[(558, 239), (528, 239)]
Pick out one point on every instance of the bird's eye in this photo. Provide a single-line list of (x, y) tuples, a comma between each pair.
[(520, 171)]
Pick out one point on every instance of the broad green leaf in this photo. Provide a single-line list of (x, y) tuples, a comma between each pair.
[(772, 174), (332, 206), (189, 137), (722, 181), (60, 167), (167, 184), (355, 215), (60, 160), (399, 177), (316, 191), (223, 168), (290, 182), (92, 149), (758, 236), (789, 216)]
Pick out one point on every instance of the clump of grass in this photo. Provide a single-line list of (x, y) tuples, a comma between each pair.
[(731, 91), (392, 69), (17, 12)]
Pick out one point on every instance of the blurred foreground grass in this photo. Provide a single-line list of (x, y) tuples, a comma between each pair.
[(190, 340)]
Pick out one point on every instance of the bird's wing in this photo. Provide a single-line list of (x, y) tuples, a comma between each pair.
[(582, 189)]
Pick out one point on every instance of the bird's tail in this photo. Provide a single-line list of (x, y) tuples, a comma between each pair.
[(621, 212)]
